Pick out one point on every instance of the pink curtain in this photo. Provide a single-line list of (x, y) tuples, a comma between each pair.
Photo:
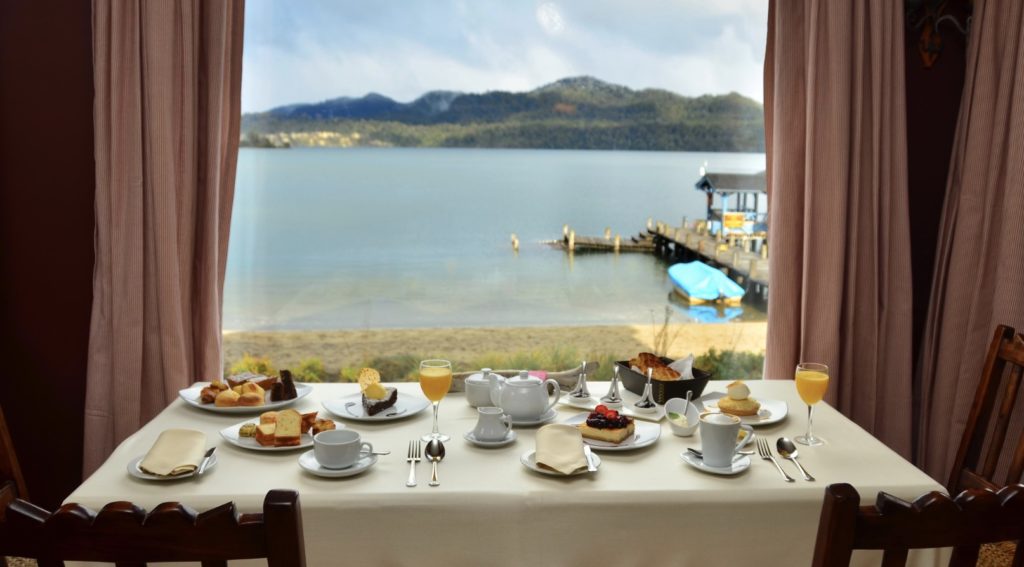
[(837, 181), (979, 264), (166, 111)]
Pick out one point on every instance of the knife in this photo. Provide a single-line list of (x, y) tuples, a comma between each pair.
[(591, 467), (206, 461)]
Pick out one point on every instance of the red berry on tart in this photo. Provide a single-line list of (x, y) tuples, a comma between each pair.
[(608, 425)]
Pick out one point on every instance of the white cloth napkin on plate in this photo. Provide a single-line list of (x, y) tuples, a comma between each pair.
[(560, 447), (176, 452), (684, 366)]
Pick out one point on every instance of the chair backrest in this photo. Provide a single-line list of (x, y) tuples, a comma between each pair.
[(1005, 351), (973, 518), (10, 470), (124, 534)]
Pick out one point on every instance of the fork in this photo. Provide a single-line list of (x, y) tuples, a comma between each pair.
[(414, 457), (766, 453)]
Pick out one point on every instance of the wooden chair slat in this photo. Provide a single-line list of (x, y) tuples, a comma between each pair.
[(10, 470), (124, 534), (1002, 423)]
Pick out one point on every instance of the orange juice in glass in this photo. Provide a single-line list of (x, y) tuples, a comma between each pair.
[(811, 384), (435, 380)]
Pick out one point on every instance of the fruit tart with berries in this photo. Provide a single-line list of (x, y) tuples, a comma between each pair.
[(607, 425)]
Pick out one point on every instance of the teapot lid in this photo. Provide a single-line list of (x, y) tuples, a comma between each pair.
[(525, 379)]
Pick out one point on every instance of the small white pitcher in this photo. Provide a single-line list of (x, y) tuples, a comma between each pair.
[(492, 425)]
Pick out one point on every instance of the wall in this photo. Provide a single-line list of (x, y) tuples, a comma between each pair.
[(46, 229)]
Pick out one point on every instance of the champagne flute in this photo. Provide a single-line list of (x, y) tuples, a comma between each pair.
[(811, 383), (435, 380)]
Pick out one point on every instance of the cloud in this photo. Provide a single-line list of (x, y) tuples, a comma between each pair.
[(319, 49)]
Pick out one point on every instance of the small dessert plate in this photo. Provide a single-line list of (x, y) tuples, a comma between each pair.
[(230, 434), (351, 407), (529, 460), (190, 396), (645, 434), (134, 470), (739, 464), (772, 411), (510, 437), (548, 416), (308, 461)]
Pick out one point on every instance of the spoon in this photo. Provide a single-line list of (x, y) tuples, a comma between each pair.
[(700, 454), (787, 450), (686, 408), (435, 452)]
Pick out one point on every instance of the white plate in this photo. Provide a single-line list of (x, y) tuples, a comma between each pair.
[(468, 436), (134, 470), (645, 434), (191, 397), (230, 434), (529, 460), (772, 411), (551, 414), (351, 407), (739, 464), (308, 461), (627, 406)]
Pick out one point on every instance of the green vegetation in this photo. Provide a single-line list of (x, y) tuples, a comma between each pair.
[(574, 113), (724, 364)]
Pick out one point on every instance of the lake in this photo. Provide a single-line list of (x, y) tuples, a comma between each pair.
[(416, 237)]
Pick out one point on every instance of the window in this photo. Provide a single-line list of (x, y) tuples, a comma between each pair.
[(407, 169)]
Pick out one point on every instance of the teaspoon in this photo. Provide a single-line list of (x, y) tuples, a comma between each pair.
[(787, 450), (435, 452)]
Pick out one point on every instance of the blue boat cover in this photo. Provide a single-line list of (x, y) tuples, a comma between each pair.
[(700, 281)]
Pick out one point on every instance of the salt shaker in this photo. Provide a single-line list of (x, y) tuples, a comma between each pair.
[(581, 391), (646, 402), (613, 399)]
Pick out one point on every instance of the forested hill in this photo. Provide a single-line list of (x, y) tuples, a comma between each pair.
[(573, 113)]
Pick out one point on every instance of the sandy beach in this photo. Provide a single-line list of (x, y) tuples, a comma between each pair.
[(469, 347)]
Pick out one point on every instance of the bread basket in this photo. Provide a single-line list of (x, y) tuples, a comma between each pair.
[(663, 391)]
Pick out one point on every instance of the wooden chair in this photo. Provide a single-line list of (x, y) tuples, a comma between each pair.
[(10, 470), (1006, 349), (973, 518), (124, 534)]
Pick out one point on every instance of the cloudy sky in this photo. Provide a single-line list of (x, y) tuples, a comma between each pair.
[(312, 50)]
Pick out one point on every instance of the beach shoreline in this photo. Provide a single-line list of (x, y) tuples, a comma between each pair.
[(464, 346)]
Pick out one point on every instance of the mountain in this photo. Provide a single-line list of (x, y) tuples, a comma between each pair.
[(572, 113)]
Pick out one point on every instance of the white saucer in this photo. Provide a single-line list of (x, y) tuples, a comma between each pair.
[(739, 464), (646, 433), (551, 413), (308, 461), (529, 460), (468, 436), (772, 411), (351, 407), (134, 470)]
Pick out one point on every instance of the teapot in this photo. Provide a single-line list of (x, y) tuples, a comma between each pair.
[(524, 398)]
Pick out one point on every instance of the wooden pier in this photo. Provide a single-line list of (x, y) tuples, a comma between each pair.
[(742, 258)]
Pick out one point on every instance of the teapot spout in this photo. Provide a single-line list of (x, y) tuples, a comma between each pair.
[(497, 384)]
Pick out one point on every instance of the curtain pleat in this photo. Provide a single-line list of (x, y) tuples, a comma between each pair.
[(979, 267), (167, 110), (840, 252)]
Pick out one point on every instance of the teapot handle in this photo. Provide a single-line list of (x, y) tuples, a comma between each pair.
[(557, 394)]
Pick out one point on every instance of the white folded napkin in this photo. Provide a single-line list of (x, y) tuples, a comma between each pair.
[(684, 366), (176, 452), (560, 447)]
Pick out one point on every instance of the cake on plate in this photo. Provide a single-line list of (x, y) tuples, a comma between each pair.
[(608, 425), (376, 397), (738, 401)]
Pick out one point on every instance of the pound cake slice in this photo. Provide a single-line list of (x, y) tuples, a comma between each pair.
[(289, 428)]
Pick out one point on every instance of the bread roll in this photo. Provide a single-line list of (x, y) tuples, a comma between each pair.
[(226, 399), (250, 399)]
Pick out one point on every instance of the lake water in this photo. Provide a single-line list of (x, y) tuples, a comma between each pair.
[(411, 237)]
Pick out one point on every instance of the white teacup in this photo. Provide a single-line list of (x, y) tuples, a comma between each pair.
[(492, 425), (719, 438), (339, 448)]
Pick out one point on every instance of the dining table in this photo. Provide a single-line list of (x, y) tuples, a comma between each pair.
[(644, 506)]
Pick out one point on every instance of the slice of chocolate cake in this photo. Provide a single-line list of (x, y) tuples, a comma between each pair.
[(285, 389), (373, 406)]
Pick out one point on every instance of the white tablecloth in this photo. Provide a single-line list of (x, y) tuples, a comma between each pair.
[(644, 507)]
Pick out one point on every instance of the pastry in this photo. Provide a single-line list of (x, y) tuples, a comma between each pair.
[(268, 417), (267, 383), (376, 397), (605, 424), (251, 399), (248, 430), (288, 428), (265, 434), (252, 388), (738, 401), (285, 389), (207, 395), (323, 425), (659, 370), (218, 385), (308, 419), (226, 399)]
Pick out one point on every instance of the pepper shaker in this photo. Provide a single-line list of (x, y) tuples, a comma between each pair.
[(613, 399), (581, 391), (646, 403)]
